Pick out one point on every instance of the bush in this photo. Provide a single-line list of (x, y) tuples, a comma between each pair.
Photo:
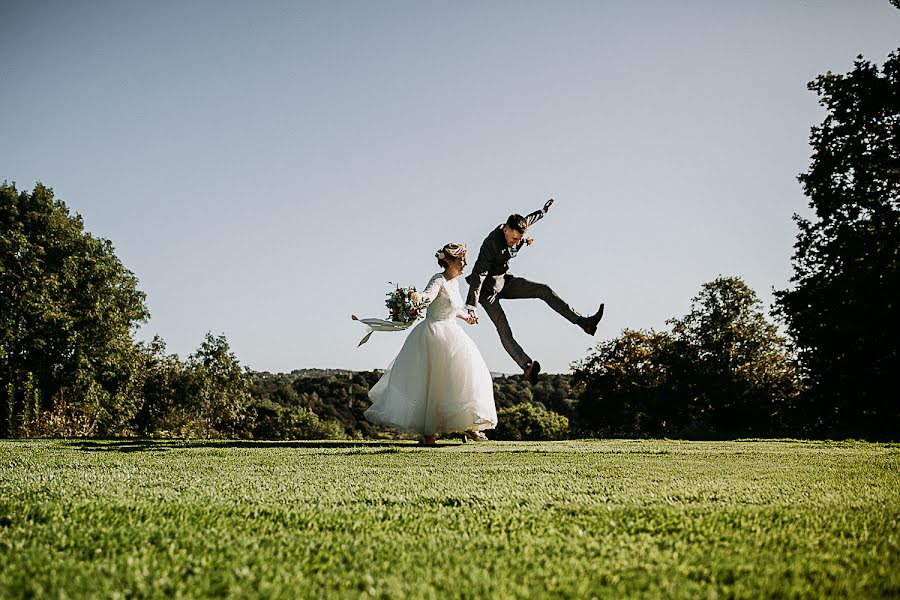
[(276, 422), (722, 371), (530, 422)]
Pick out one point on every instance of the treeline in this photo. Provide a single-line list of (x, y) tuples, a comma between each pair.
[(300, 405), (722, 370), (69, 364)]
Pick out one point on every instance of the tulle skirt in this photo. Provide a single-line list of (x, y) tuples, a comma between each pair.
[(439, 383)]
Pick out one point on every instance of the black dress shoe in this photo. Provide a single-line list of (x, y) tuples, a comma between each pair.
[(590, 325), (532, 371)]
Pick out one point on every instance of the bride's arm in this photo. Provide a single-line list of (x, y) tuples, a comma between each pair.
[(465, 316), (431, 289)]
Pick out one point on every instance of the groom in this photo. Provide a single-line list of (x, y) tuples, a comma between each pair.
[(489, 282)]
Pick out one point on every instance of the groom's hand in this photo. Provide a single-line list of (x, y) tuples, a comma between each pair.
[(548, 204)]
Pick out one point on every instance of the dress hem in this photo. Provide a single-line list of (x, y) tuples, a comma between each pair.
[(479, 424)]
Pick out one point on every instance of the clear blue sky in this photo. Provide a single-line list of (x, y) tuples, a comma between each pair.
[(265, 168)]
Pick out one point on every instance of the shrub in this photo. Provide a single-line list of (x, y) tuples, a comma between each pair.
[(276, 422), (528, 421)]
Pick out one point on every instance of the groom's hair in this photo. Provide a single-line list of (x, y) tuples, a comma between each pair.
[(517, 222)]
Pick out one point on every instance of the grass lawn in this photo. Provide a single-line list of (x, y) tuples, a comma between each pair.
[(578, 519)]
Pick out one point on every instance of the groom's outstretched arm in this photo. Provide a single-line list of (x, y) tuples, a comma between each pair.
[(537, 215), (532, 218)]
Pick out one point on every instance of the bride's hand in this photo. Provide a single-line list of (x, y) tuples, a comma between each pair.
[(414, 296)]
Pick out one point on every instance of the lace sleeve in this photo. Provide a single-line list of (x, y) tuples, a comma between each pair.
[(432, 289)]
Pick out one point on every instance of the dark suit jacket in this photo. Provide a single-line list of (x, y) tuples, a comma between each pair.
[(488, 272)]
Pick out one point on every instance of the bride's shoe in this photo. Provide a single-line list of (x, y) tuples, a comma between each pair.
[(476, 436)]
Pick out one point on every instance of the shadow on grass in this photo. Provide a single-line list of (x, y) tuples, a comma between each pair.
[(145, 445)]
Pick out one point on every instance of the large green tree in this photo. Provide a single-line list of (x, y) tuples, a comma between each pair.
[(624, 389), (722, 370), (164, 380), (219, 389), (68, 309), (842, 308), (731, 364)]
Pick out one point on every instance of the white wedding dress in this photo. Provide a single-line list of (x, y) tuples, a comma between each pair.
[(439, 382)]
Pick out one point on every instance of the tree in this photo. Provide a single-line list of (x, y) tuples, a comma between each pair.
[(722, 370), (623, 383), (68, 308), (842, 309), (219, 388), (165, 406), (730, 362)]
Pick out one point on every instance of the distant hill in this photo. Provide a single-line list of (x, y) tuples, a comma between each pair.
[(320, 372), (347, 373)]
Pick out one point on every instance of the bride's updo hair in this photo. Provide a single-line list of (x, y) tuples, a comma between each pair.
[(451, 250)]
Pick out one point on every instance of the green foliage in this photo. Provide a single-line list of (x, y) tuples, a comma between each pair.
[(218, 388), (723, 370), (842, 310), (552, 391), (206, 396), (283, 404), (575, 519), (731, 363), (163, 388), (530, 422), (292, 422), (624, 386), (67, 311), (69, 365), (511, 390)]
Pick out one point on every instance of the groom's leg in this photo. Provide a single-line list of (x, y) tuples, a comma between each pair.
[(496, 314), (519, 288)]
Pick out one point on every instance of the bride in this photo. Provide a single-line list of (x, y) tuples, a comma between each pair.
[(439, 383)]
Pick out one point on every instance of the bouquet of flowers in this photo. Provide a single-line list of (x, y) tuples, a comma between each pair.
[(404, 311), (402, 307)]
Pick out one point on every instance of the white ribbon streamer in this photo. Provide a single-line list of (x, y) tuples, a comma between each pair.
[(374, 325)]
